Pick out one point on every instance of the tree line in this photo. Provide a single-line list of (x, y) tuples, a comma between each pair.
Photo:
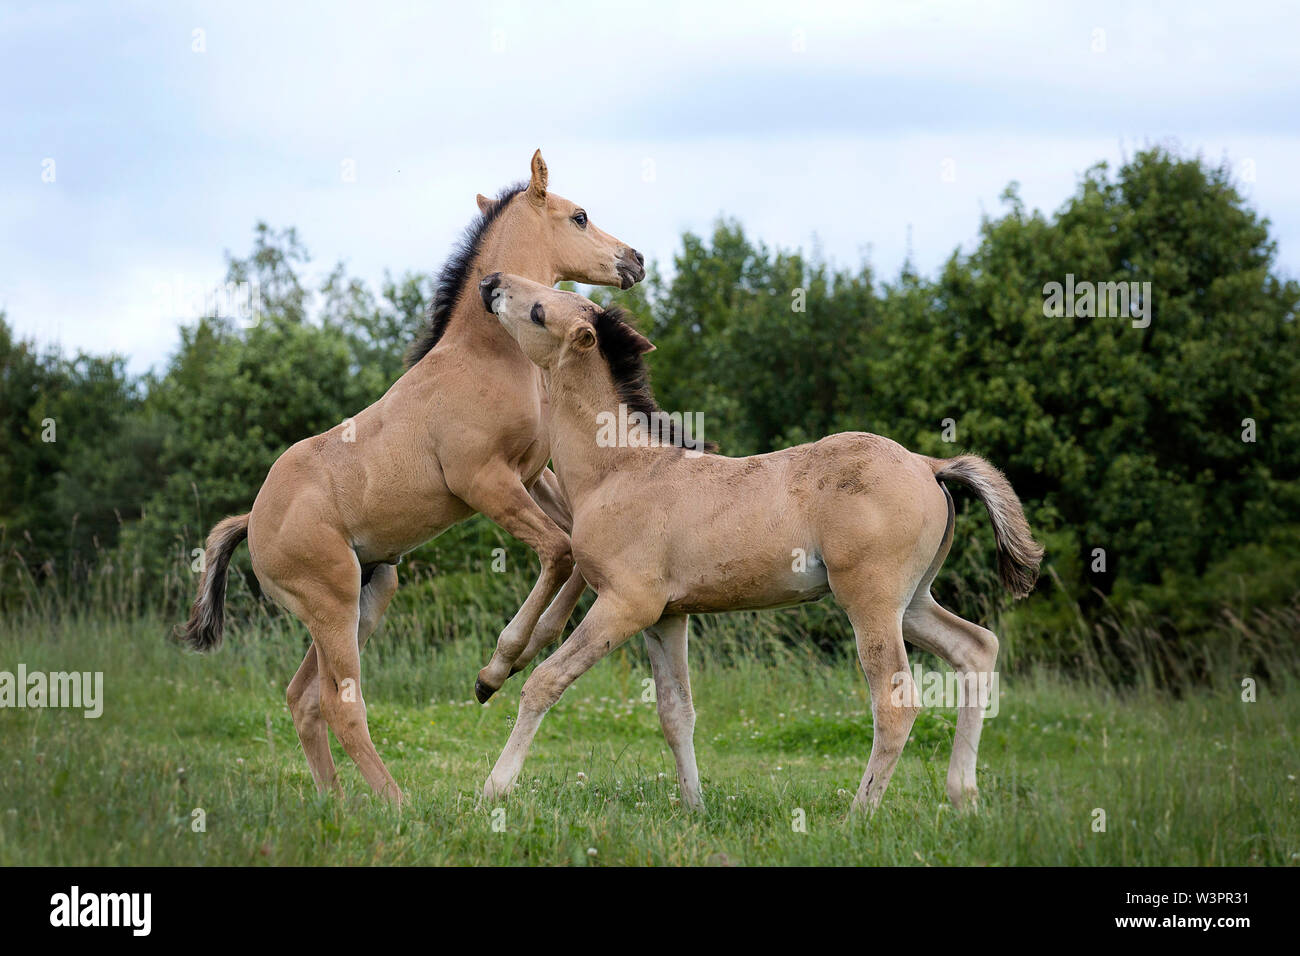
[(1156, 450)]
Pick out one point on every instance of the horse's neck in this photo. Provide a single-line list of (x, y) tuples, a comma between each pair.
[(581, 458), (474, 332)]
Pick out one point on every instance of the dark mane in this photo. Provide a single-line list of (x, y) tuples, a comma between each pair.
[(451, 280), (621, 349)]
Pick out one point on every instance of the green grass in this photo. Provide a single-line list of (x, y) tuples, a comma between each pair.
[(1199, 779)]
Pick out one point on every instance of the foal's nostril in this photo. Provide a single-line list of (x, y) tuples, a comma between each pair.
[(487, 289), (640, 259)]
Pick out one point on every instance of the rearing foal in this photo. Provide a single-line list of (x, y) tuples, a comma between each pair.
[(662, 532), (462, 431)]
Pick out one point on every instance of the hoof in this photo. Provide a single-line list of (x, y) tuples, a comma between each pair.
[(966, 801), (482, 691), (494, 794)]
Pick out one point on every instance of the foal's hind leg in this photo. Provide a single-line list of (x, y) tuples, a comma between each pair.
[(313, 734), (376, 594), (341, 699), (894, 702), (325, 594), (973, 652), (666, 643), (304, 689)]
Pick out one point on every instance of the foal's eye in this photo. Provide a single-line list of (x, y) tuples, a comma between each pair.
[(580, 218)]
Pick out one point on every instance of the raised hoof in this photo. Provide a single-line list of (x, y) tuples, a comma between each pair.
[(482, 691)]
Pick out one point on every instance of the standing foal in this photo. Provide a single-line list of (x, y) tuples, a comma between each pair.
[(664, 532)]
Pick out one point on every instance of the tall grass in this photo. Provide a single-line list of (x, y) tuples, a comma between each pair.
[(445, 603)]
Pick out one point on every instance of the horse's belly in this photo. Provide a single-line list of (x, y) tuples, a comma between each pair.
[(387, 537), (737, 588)]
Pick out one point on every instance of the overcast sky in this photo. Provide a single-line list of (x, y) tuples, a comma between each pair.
[(840, 125)]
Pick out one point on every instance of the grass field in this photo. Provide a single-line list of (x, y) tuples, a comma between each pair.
[(1201, 779)]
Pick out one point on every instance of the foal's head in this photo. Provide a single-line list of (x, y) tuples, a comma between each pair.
[(565, 332), (537, 232), (559, 231), (555, 328)]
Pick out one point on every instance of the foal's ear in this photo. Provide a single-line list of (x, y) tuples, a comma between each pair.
[(583, 338), (537, 185), (643, 344), (484, 204)]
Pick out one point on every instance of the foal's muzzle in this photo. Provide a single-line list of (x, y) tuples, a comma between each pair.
[(488, 289), (630, 268)]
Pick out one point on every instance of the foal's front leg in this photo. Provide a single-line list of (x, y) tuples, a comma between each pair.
[(546, 492), (503, 498), (551, 624), (607, 625)]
